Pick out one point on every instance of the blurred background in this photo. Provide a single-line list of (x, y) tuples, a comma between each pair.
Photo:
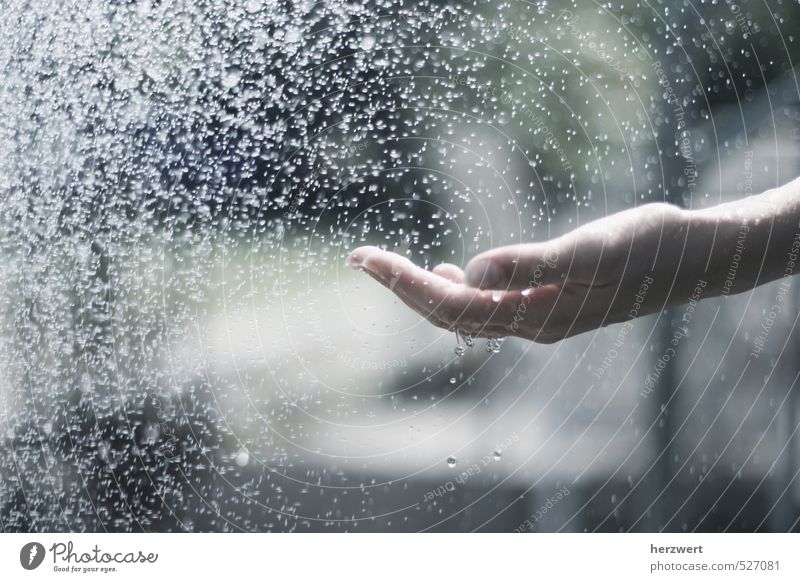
[(182, 347)]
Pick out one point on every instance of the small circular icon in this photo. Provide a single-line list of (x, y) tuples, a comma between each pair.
[(31, 555)]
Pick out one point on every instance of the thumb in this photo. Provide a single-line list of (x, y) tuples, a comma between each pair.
[(518, 266)]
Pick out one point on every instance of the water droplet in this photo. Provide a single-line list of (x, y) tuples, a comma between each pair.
[(493, 345), (231, 78), (459, 350), (292, 35), (253, 6), (498, 454), (368, 42), (453, 380), (451, 461), (242, 457)]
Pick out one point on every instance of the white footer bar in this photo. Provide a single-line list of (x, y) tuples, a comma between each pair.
[(333, 557)]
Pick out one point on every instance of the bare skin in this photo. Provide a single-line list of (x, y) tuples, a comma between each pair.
[(653, 256)]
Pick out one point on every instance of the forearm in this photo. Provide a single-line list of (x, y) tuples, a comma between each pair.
[(752, 241)]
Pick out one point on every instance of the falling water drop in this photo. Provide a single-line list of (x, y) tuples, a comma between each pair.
[(242, 457), (254, 6), (231, 78), (451, 461), (368, 42)]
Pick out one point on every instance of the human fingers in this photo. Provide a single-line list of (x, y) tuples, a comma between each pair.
[(450, 272), (439, 299), (517, 266)]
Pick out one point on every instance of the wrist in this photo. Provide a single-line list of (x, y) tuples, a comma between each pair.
[(754, 240), (698, 256), (727, 248)]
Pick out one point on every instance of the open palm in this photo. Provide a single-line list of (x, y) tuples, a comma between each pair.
[(551, 290)]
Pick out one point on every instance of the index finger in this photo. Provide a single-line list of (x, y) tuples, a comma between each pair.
[(446, 303)]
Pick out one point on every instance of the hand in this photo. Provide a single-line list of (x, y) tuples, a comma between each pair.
[(637, 261)]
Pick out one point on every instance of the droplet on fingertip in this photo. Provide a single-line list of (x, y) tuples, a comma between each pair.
[(354, 261)]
